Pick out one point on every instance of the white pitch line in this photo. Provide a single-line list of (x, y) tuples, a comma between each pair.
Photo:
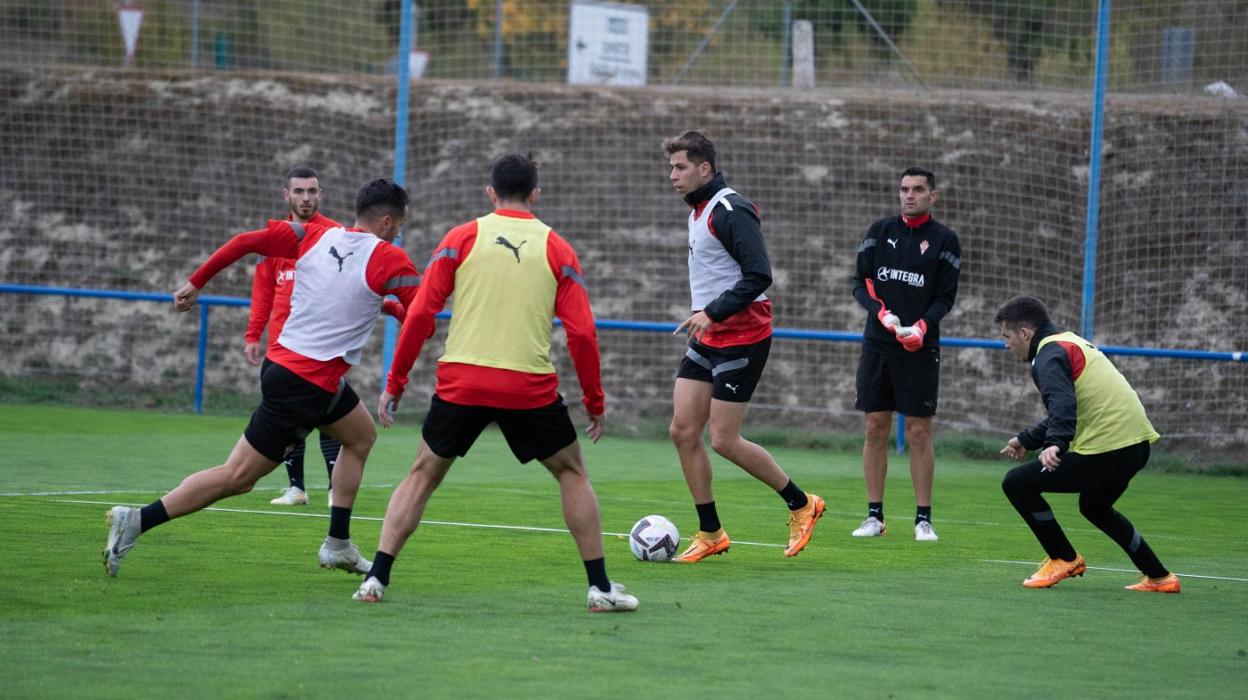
[(529, 528), (451, 523), (1127, 571)]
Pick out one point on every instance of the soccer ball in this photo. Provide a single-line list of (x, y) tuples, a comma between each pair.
[(654, 538)]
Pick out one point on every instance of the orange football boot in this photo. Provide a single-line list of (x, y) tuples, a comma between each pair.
[(1166, 584), (703, 545), (1052, 571), (802, 524)]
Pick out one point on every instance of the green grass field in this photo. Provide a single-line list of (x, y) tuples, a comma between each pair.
[(230, 602)]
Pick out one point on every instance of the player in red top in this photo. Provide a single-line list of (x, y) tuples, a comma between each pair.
[(343, 276), (510, 275), (270, 305)]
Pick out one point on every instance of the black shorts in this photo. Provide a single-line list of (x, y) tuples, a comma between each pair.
[(733, 372), (908, 385), (290, 408), (532, 433)]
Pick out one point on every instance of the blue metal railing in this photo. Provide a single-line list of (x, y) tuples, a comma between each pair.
[(207, 301)]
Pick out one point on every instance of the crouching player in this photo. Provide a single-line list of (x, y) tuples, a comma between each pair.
[(1094, 440)]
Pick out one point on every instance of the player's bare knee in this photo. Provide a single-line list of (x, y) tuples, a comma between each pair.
[(683, 434), (725, 444), (877, 427), (918, 432)]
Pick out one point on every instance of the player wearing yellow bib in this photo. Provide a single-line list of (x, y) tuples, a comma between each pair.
[(1094, 439), (511, 275)]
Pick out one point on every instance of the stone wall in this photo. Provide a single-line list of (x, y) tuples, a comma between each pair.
[(124, 181)]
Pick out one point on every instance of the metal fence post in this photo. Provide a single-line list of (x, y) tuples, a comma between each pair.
[(203, 358), (1094, 171), (402, 100)]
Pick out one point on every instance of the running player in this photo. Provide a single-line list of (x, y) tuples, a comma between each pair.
[(343, 275)]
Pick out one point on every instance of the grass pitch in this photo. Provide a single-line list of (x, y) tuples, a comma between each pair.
[(486, 603)]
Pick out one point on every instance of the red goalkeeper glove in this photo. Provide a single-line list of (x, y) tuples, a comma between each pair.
[(911, 337), (890, 322)]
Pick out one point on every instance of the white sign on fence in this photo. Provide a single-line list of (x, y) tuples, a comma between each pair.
[(130, 19), (608, 43)]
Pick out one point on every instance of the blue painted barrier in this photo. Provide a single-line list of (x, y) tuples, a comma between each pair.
[(207, 301)]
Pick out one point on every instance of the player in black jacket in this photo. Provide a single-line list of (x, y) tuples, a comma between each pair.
[(907, 280), (729, 332)]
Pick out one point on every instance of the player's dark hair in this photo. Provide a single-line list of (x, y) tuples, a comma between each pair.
[(300, 171), (513, 176), (1022, 311), (697, 147), (916, 171), (380, 197)]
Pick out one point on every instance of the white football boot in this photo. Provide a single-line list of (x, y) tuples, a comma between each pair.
[(923, 532), (871, 527), (615, 600), (291, 496), (343, 554), (370, 591), (123, 532)]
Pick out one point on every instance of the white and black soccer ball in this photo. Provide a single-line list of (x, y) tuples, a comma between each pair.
[(654, 538)]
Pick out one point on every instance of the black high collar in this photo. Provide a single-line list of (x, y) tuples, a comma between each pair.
[(706, 191)]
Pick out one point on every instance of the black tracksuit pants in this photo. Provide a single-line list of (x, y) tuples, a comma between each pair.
[(1099, 480)]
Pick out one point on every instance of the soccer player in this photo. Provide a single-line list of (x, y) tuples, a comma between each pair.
[(270, 305), (729, 341), (510, 275), (907, 279), (343, 274), (1095, 437)]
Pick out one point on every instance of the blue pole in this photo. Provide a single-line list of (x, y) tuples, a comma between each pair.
[(901, 434), (402, 99), (203, 358), (1094, 170)]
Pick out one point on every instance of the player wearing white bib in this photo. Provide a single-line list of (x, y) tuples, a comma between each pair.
[(342, 277), (729, 341)]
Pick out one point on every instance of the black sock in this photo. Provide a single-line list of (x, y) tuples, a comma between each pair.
[(294, 467), (340, 522), (923, 514), (876, 510), (596, 570), (708, 519), (794, 497), (152, 515), (381, 567), (329, 450)]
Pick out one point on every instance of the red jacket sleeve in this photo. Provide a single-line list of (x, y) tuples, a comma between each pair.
[(393, 308), (263, 285), (390, 271), (278, 240), (572, 307), (435, 289)]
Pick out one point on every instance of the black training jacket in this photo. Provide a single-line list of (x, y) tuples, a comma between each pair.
[(915, 272)]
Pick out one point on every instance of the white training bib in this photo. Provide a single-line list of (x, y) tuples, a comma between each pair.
[(712, 271), (332, 309)]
